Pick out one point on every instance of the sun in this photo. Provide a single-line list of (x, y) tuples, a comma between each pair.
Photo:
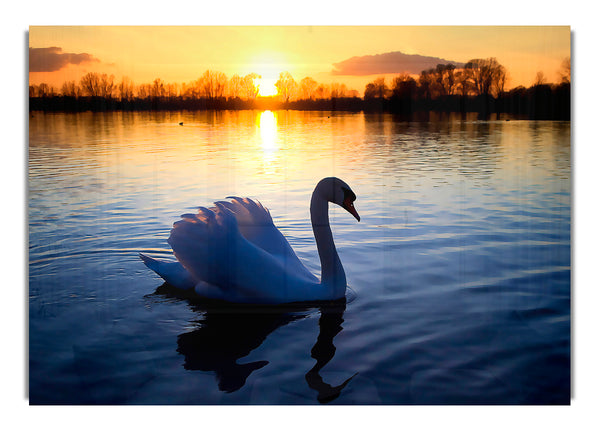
[(268, 66), (266, 86)]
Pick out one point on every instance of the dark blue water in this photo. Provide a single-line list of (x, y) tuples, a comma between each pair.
[(459, 269)]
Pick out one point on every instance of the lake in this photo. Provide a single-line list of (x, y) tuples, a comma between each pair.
[(459, 271)]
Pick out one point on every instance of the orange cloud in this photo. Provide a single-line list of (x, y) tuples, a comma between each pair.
[(390, 62), (52, 59)]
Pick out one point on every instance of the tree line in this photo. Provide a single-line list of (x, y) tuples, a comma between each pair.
[(212, 85), (477, 86)]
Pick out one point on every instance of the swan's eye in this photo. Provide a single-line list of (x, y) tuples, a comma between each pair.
[(348, 194)]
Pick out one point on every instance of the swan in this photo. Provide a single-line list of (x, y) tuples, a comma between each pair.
[(234, 252)]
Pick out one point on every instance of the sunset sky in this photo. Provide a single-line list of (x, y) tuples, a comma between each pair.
[(354, 55)]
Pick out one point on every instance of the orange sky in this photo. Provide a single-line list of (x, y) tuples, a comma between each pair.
[(179, 54)]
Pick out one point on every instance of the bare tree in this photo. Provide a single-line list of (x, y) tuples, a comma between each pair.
[(193, 90), (107, 85), (70, 89), (96, 85), (338, 90), (125, 89), (540, 79), (286, 85), (157, 90), (171, 91), (404, 87), (322, 92), (485, 74), (445, 79), (249, 87), (90, 84), (42, 90), (500, 82), (213, 84), (236, 86), (464, 86), (307, 88), (144, 91), (376, 89), (565, 71), (427, 83)]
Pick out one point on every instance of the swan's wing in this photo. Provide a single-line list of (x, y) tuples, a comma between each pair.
[(256, 225), (211, 247), (206, 244)]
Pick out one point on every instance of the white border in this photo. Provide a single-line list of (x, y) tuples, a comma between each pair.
[(579, 14)]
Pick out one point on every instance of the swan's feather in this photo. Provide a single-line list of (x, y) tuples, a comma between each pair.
[(172, 272), (256, 225), (236, 247)]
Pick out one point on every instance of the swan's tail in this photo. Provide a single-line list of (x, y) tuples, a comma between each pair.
[(172, 272), (149, 262)]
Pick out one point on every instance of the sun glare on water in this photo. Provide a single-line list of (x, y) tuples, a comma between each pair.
[(268, 131)]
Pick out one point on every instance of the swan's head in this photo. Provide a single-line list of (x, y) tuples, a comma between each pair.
[(337, 191)]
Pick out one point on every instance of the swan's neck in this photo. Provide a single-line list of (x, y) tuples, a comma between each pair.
[(332, 273)]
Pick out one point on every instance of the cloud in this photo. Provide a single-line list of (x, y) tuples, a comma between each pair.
[(390, 62), (52, 59)]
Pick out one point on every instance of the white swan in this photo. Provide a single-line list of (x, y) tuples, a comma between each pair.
[(234, 252)]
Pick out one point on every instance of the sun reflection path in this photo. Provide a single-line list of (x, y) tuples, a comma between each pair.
[(268, 133)]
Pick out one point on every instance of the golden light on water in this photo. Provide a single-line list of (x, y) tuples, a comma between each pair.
[(267, 124)]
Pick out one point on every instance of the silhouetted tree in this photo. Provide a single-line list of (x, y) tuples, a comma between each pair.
[(144, 91), (338, 90), (445, 79), (96, 85), (485, 74), (43, 90), (376, 89), (308, 87), (322, 92), (404, 87), (250, 89), (286, 85), (125, 89), (426, 84), (464, 85), (565, 71), (70, 89), (157, 90), (90, 84), (171, 91), (540, 78), (500, 83), (107, 85), (213, 84), (236, 86)]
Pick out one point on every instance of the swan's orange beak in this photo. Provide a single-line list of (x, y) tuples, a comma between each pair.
[(349, 206)]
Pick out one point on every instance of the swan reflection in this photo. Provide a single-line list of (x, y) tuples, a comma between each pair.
[(226, 333), (330, 324), (225, 336)]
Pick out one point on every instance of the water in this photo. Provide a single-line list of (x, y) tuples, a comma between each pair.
[(459, 269)]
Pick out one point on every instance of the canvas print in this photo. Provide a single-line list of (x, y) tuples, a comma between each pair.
[(373, 215)]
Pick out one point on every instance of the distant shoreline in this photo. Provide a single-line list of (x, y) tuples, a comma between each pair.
[(537, 103)]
